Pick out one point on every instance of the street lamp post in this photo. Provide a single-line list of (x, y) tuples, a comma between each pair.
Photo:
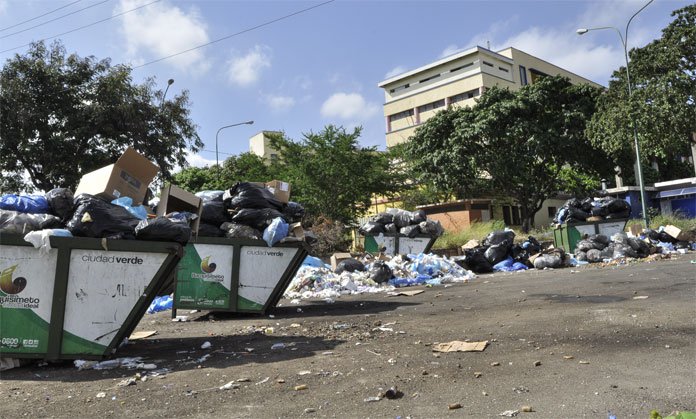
[(217, 162), (169, 83), (639, 169)]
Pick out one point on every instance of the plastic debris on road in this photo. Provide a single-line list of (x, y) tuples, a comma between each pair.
[(320, 282)]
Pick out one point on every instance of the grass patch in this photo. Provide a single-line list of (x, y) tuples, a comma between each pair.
[(477, 231), (664, 220)]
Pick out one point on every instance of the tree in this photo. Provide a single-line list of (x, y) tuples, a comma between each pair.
[(241, 168), (62, 116), (331, 175), (517, 142), (663, 103)]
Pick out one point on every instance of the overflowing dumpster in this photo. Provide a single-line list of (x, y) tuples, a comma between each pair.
[(567, 236), (398, 244), (234, 274), (80, 298)]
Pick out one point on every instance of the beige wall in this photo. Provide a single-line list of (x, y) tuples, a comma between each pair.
[(259, 145), (530, 61)]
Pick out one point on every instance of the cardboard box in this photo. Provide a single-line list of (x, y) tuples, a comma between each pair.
[(173, 198), (297, 230), (636, 230), (280, 189), (129, 176), (677, 233), (336, 258)]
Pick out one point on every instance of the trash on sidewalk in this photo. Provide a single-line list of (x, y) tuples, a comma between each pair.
[(407, 293), (460, 346), (141, 335)]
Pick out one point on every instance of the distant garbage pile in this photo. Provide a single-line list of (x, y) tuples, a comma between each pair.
[(370, 275), (592, 209), (498, 252), (403, 222), (600, 248)]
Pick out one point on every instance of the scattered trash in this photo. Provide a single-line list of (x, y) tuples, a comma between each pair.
[(301, 387), (454, 406), (206, 345), (478, 374), (408, 293), (262, 381), (101, 395), (141, 335), (393, 393), (279, 345), (128, 382), (180, 319), (526, 409), (640, 297), (583, 362), (230, 385), (568, 357), (460, 346), (510, 413), (537, 363), (371, 399)]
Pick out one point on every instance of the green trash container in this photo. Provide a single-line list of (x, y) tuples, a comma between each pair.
[(397, 244), (567, 236), (235, 275), (80, 299)]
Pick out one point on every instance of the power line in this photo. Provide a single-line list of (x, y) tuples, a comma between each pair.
[(34, 18), (54, 19), (83, 27), (236, 34)]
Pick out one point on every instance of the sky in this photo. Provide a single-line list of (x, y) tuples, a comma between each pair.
[(297, 66)]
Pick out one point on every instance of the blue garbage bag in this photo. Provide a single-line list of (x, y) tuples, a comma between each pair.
[(162, 303), (127, 203), (28, 204), (276, 231), (509, 265), (408, 282), (312, 261)]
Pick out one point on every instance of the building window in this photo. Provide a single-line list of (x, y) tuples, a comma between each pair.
[(523, 76), (464, 96), (461, 67), (552, 211), (536, 74), (503, 69), (433, 105), (488, 64), (401, 115), (429, 78), (396, 89), (512, 215)]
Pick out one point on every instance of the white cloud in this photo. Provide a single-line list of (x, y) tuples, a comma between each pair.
[(196, 160), (348, 106), (395, 71), (245, 70), (449, 50), (3, 7), (280, 103), (162, 29)]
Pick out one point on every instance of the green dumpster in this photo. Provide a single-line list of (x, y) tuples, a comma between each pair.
[(567, 236), (398, 244), (81, 298), (237, 275)]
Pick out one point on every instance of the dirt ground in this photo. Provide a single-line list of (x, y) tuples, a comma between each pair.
[(567, 343)]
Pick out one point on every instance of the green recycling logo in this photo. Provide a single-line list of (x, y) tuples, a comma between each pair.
[(10, 286), (206, 266)]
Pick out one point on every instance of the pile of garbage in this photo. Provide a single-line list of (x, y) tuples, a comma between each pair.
[(592, 209), (248, 210), (403, 222), (498, 252), (245, 210), (369, 275), (600, 248)]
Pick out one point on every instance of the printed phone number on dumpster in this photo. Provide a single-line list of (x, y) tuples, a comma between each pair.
[(15, 343)]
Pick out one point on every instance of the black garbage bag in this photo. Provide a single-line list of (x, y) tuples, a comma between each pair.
[(617, 215), (256, 218), (573, 203), (587, 245), (580, 255), (383, 218), (477, 262), (293, 212), (248, 195), (586, 204), (641, 247), (234, 230), (371, 228), (94, 217), (14, 222), (162, 229), (433, 228), (498, 252), (497, 237), (214, 212), (553, 260), (61, 202), (577, 214), (623, 250), (660, 236), (380, 272), (418, 217), (608, 252), (599, 238), (181, 217), (594, 256), (209, 230), (410, 231), (391, 228), (531, 245), (599, 211), (349, 265), (618, 206)]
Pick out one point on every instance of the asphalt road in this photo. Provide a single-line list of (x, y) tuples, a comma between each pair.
[(567, 343)]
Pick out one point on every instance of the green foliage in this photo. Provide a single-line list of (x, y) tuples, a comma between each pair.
[(246, 167), (477, 231), (578, 183), (663, 76), (331, 236), (331, 175), (63, 115)]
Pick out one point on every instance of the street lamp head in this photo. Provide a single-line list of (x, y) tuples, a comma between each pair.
[(170, 82), (582, 31), (249, 122)]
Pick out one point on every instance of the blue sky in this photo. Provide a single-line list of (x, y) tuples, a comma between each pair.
[(320, 66)]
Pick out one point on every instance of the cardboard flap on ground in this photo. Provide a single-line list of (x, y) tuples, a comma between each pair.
[(173, 198), (129, 176), (336, 258), (280, 189)]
